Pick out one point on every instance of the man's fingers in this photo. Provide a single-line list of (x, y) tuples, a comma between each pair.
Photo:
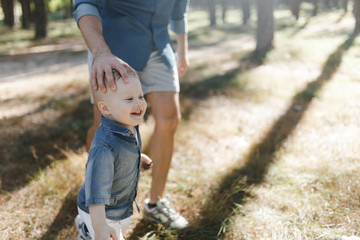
[(182, 67), (181, 71), (100, 81), (93, 80), (121, 69), (110, 79), (103, 68), (127, 65)]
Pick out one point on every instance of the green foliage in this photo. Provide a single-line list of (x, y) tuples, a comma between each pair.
[(21, 39), (59, 6)]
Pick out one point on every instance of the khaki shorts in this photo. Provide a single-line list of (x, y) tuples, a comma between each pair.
[(155, 77)]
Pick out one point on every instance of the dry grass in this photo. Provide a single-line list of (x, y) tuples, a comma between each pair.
[(265, 151)]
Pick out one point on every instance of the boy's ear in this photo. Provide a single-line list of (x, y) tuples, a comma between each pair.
[(103, 108)]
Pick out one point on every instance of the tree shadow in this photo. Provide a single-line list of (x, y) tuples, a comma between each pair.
[(221, 84), (142, 228), (233, 188), (197, 36), (28, 150), (288, 24), (341, 17), (65, 217), (34, 63), (301, 28)]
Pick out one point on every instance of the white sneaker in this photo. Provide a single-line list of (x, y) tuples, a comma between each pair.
[(83, 231), (163, 214)]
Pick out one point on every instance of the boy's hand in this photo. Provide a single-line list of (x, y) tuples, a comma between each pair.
[(146, 163), (98, 220), (105, 232)]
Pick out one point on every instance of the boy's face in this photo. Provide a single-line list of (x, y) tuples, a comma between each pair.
[(126, 105)]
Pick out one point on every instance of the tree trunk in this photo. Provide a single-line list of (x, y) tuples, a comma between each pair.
[(245, 6), (265, 27), (40, 19), (356, 12), (316, 7), (285, 2), (71, 2), (345, 5), (68, 8), (327, 3), (295, 8), (335, 3), (26, 14), (224, 6), (212, 12), (8, 10)]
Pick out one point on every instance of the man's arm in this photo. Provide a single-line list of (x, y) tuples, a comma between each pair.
[(182, 53), (98, 220), (178, 22), (103, 60)]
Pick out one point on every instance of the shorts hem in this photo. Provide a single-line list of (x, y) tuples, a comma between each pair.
[(157, 89)]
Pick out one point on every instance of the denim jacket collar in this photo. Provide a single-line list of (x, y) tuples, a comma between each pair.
[(115, 127)]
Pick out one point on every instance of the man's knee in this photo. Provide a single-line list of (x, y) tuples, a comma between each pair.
[(166, 110), (168, 123)]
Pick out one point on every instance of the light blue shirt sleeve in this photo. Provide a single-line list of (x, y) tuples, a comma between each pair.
[(99, 176), (85, 9), (178, 18)]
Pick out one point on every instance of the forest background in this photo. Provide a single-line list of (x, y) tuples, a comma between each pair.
[(268, 147)]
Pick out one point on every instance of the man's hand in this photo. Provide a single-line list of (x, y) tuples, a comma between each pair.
[(103, 64), (183, 64), (182, 53), (103, 60)]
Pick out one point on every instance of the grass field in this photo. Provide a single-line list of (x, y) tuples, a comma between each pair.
[(264, 151)]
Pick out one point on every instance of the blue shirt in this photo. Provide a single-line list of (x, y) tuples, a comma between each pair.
[(112, 171), (133, 28)]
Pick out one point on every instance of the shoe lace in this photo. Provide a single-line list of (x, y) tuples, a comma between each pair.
[(167, 210)]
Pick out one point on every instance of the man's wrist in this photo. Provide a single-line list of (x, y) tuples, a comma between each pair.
[(100, 51)]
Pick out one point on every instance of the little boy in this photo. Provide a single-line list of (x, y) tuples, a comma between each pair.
[(105, 201)]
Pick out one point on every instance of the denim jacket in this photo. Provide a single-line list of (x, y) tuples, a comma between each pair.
[(112, 171), (133, 28)]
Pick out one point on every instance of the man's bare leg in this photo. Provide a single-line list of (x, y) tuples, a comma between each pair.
[(94, 126), (165, 108)]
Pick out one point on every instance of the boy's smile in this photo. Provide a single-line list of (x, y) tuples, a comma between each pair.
[(138, 113)]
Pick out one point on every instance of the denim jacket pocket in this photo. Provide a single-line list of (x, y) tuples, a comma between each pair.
[(112, 201)]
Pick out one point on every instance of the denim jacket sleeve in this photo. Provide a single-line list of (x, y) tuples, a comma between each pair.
[(87, 7), (178, 18), (99, 176)]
